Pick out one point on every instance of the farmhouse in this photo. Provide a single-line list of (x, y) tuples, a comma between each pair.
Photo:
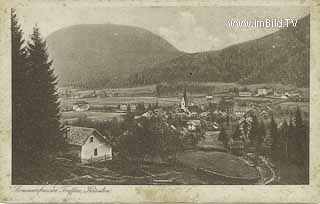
[(133, 107), (87, 144), (80, 106), (124, 107), (245, 93), (240, 111), (262, 91), (209, 97), (193, 124)]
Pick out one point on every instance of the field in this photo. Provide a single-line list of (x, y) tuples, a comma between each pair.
[(146, 95), (115, 101), (218, 162), (211, 142), (98, 116)]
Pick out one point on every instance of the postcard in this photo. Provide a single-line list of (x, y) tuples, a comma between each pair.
[(159, 101)]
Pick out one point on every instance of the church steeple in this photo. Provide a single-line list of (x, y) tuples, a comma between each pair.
[(184, 100), (185, 97)]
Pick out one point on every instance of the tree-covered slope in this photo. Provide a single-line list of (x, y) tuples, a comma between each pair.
[(280, 57)]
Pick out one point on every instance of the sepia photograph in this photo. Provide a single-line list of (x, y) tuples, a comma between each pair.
[(161, 95), (139, 101)]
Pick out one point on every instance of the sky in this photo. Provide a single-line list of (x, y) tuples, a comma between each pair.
[(189, 29)]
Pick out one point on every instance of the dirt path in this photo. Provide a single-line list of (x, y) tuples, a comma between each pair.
[(267, 167)]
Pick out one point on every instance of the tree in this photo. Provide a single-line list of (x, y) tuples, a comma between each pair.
[(283, 135), (291, 142), (19, 98), (140, 108), (128, 108), (245, 127), (301, 139), (254, 129), (45, 110), (260, 135), (223, 137), (275, 139), (237, 133), (244, 89), (298, 145)]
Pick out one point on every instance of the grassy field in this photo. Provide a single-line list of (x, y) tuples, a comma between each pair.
[(219, 162), (211, 141), (98, 116), (64, 172), (115, 101), (134, 90)]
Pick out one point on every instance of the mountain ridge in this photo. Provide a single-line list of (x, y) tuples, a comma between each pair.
[(109, 52), (101, 55), (279, 57)]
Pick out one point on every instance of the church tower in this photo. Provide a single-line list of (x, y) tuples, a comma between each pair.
[(184, 100)]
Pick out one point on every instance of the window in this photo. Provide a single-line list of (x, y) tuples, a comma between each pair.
[(95, 152), (91, 139)]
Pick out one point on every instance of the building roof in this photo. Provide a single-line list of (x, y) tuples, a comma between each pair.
[(79, 135), (194, 122)]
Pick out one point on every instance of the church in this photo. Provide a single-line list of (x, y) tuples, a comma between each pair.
[(184, 103)]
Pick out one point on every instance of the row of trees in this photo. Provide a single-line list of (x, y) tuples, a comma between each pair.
[(151, 138), (289, 142), (36, 135)]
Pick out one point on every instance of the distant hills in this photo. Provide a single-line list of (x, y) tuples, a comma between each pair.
[(102, 55), (280, 57), (112, 55)]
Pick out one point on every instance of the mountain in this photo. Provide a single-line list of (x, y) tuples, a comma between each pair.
[(97, 55), (280, 57)]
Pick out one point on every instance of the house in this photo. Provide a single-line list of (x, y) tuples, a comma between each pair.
[(80, 106), (262, 92), (204, 114), (226, 105), (245, 93), (209, 97), (293, 94), (133, 107), (194, 108), (124, 107), (148, 114), (87, 144), (277, 93), (240, 111), (193, 124)]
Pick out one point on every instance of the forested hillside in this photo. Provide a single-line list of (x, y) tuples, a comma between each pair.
[(281, 57)]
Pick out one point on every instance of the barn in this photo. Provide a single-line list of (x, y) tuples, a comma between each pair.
[(87, 144)]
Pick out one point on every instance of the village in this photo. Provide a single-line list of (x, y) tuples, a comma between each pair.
[(118, 104), (207, 135)]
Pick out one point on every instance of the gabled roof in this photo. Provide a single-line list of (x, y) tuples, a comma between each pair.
[(194, 122), (79, 135)]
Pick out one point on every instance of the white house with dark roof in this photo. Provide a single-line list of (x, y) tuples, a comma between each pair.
[(88, 144), (80, 106), (193, 124)]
